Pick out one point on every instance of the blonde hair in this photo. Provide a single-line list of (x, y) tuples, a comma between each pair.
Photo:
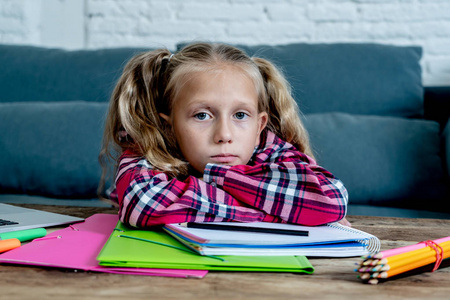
[(151, 80)]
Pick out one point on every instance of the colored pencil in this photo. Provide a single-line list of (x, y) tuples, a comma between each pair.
[(411, 255), (412, 259), (408, 267), (402, 256), (428, 268), (399, 262), (395, 251)]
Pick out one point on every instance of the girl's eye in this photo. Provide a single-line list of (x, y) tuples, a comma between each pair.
[(202, 116), (240, 115)]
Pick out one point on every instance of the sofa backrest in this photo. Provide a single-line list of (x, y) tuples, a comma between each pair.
[(365, 79), (39, 74)]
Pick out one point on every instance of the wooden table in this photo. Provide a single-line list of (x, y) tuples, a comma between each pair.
[(332, 279)]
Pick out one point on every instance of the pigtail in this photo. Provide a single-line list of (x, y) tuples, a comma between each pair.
[(135, 98), (133, 120), (284, 114)]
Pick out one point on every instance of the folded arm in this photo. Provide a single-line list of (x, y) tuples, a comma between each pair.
[(147, 197), (280, 184), (283, 182), (295, 192)]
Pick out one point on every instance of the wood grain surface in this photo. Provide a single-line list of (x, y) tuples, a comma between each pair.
[(333, 278)]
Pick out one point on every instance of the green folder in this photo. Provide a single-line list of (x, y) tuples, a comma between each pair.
[(127, 247)]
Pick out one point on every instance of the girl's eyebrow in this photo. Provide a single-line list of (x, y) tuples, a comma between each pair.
[(240, 104), (246, 105), (195, 104)]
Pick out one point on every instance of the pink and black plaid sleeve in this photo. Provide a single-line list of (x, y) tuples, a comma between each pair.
[(147, 197), (280, 184), (283, 182)]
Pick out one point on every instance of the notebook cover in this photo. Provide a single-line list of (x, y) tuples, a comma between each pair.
[(325, 234), (348, 249), (128, 247), (332, 240), (77, 246)]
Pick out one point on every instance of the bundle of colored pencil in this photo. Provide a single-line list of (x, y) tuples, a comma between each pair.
[(404, 261)]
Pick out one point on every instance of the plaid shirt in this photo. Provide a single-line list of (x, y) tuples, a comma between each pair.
[(279, 184)]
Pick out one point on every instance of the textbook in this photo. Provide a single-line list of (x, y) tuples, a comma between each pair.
[(331, 240), (131, 247)]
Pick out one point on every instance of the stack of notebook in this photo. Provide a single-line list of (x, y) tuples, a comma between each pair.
[(103, 244), (332, 240)]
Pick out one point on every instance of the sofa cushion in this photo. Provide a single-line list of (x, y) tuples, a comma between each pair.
[(41, 74), (364, 79), (51, 148), (383, 161)]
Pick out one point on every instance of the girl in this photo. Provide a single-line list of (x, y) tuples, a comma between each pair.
[(210, 134)]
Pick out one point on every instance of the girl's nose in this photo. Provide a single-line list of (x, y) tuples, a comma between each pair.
[(222, 133)]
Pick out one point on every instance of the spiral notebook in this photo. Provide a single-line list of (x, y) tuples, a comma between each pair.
[(332, 240)]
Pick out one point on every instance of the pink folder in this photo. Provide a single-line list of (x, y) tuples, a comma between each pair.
[(77, 246)]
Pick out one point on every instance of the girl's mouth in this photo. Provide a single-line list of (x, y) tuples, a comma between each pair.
[(224, 158)]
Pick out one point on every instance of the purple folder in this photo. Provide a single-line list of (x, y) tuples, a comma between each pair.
[(77, 246)]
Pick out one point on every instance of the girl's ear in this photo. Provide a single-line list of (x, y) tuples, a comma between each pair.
[(263, 118), (165, 117)]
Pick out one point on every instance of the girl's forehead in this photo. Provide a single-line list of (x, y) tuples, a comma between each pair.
[(216, 72), (217, 86), (190, 77)]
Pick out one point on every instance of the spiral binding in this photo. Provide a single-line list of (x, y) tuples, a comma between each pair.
[(372, 243)]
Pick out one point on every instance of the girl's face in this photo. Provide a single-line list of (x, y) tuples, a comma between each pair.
[(215, 118)]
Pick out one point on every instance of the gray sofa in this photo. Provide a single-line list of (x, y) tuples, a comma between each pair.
[(363, 105)]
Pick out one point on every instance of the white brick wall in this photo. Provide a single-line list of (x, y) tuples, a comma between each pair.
[(89, 24)]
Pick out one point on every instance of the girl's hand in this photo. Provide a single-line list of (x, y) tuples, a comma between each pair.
[(345, 222)]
